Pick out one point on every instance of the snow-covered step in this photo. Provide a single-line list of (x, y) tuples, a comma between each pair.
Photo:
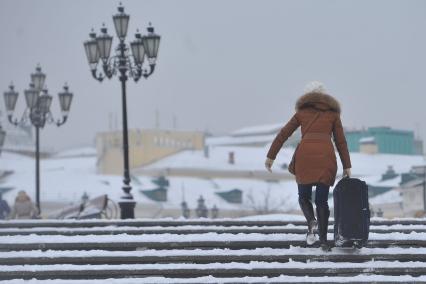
[(169, 250), (194, 229), (358, 279), (165, 222), (207, 255), (233, 269), (189, 241), (179, 222)]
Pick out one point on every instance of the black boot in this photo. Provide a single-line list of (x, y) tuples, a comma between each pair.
[(323, 213), (308, 211)]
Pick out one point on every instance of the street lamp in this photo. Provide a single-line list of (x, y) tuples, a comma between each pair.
[(424, 186), (37, 112), (98, 49), (2, 137)]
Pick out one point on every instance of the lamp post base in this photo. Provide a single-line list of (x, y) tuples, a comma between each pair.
[(127, 206), (127, 209)]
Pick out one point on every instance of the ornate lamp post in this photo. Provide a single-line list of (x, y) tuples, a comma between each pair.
[(2, 137), (125, 65), (37, 112), (424, 187)]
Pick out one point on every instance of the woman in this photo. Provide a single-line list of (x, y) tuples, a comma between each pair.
[(315, 160), (23, 207)]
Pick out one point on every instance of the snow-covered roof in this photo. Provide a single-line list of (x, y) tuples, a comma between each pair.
[(252, 158), (76, 152), (239, 140), (391, 196), (62, 179), (67, 179), (246, 158), (413, 183), (258, 130), (368, 140), (378, 182)]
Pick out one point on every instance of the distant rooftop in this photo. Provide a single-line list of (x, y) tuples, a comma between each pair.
[(239, 140), (252, 158), (367, 140), (378, 129), (258, 130)]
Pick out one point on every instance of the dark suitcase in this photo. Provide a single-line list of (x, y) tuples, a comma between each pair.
[(351, 213)]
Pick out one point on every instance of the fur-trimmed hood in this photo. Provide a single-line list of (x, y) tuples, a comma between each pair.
[(319, 101)]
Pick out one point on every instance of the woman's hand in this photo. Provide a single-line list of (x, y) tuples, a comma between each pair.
[(268, 164), (347, 172)]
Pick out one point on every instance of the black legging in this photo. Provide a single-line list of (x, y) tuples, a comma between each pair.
[(321, 194)]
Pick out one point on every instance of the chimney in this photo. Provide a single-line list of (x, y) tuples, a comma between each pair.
[(231, 158)]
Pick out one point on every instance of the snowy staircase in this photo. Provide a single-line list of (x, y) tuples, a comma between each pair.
[(205, 251)]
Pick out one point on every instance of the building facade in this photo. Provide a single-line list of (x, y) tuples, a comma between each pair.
[(413, 197), (372, 140), (145, 146), (384, 140)]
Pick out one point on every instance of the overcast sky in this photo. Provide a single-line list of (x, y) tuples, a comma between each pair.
[(224, 65)]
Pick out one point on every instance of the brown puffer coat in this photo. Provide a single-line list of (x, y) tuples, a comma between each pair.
[(315, 158)]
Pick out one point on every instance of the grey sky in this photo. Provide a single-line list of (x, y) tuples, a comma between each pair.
[(225, 64)]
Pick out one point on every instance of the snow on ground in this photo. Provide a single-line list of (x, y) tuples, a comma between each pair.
[(198, 252), (273, 217), (210, 279), (216, 265), (195, 228), (181, 220), (171, 237)]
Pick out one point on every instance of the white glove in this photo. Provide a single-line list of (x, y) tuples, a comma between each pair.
[(347, 172), (268, 164)]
